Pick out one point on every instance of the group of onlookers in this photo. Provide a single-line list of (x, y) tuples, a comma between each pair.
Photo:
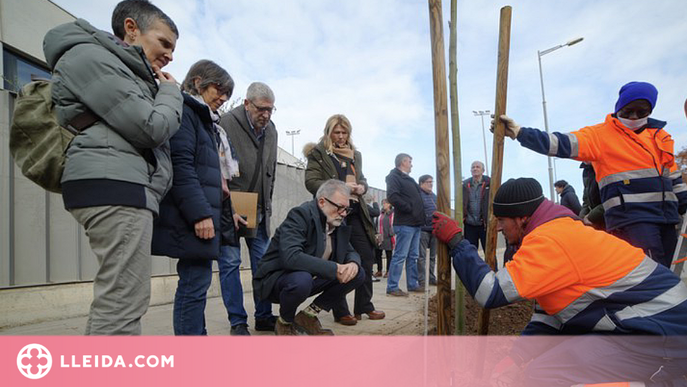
[(160, 170)]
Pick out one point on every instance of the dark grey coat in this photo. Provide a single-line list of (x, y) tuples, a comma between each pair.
[(239, 130), (404, 194), (569, 199), (298, 244)]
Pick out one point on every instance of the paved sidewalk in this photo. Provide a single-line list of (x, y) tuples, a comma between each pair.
[(404, 316)]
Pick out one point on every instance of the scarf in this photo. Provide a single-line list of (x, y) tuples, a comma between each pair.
[(227, 154), (346, 152)]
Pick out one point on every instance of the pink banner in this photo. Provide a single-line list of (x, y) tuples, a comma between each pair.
[(334, 361)]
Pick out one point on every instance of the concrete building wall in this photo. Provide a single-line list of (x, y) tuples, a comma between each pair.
[(23, 23), (39, 241), (46, 263)]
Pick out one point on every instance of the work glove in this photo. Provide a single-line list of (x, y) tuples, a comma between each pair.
[(446, 229), (512, 129), (506, 373)]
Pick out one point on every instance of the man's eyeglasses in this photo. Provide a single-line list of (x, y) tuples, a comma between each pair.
[(264, 109), (342, 210)]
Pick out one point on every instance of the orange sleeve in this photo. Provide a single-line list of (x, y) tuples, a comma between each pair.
[(588, 145), (541, 267)]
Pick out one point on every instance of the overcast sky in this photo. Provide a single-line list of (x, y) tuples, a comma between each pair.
[(371, 61)]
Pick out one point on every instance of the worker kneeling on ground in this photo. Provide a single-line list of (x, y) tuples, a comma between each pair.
[(583, 281)]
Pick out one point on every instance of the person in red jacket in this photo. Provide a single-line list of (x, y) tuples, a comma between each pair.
[(584, 281), (641, 188)]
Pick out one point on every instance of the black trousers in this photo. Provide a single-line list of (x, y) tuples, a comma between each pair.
[(295, 287), (476, 234), (378, 259), (362, 245)]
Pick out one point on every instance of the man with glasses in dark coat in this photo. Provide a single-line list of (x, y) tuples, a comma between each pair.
[(310, 253)]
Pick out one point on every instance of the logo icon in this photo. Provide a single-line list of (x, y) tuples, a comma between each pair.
[(34, 361)]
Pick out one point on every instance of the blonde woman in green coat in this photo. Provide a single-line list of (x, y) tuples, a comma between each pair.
[(335, 157)]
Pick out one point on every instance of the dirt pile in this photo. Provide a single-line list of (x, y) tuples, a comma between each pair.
[(504, 321)]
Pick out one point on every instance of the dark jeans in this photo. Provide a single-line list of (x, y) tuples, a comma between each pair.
[(195, 276), (229, 263), (475, 234), (295, 287), (657, 240), (363, 294)]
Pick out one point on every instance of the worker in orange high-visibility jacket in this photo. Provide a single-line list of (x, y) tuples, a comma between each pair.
[(584, 281), (641, 188)]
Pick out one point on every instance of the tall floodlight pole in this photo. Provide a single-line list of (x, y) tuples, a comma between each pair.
[(543, 101), (483, 113), (293, 133)]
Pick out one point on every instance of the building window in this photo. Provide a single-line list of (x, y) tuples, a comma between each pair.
[(18, 71)]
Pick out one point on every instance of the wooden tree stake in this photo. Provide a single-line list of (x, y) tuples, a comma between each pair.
[(442, 161), (497, 158), (459, 319)]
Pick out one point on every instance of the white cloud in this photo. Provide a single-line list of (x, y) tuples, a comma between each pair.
[(371, 61)]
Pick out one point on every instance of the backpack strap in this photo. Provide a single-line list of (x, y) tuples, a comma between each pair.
[(82, 121)]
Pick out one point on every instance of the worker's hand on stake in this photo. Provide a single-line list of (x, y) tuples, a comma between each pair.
[(512, 128), (506, 373), (446, 229)]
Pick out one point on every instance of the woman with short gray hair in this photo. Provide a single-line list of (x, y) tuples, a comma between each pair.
[(189, 227)]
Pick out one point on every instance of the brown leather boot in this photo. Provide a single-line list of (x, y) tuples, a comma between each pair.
[(311, 325), (281, 329)]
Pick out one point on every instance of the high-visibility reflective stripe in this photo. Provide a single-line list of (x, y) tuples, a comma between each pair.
[(646, 197), (485, 287), (553, 145), (673, 297), (605, 325), (574, 146), (675, 175), (546, 319), (628, 175), (508, 287), (637, 275), (682, 187)]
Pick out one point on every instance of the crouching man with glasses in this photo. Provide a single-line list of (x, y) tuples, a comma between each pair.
[(310, 254)]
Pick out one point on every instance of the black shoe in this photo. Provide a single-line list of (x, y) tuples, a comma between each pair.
[(265, 324), (239, 330)]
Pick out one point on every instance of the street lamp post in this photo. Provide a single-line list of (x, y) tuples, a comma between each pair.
[(483, 113), (543, 101), (293, 133)]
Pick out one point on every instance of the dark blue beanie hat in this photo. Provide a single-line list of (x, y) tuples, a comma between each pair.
[(634, 91)]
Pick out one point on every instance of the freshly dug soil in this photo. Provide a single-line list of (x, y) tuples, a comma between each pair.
[(505, 321)]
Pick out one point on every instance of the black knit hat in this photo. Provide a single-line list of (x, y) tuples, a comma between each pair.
[(518, 197)]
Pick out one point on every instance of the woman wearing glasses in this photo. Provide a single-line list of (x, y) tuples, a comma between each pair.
[(188, 227), (335, 157)]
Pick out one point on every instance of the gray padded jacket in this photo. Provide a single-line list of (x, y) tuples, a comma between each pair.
[(123, 159)]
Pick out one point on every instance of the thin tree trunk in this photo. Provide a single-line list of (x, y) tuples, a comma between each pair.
[(443, 162), (459, 322)]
